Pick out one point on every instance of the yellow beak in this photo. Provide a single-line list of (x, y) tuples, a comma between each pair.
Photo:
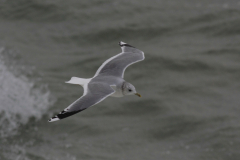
[(139, 95)]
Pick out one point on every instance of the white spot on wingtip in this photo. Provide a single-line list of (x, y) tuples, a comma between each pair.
[(53, 119), (122, 43)]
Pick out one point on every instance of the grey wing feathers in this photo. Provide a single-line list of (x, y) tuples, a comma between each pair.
[(101, 91), (116, 65)]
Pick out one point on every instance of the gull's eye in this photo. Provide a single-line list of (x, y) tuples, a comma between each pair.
[(129, 90)]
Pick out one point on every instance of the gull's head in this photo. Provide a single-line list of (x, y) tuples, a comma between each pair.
[(129, 89)]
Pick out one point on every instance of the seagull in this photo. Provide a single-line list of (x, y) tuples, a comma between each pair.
[(107, 81)]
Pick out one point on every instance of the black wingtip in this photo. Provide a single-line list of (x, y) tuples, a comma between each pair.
[(121, 43)]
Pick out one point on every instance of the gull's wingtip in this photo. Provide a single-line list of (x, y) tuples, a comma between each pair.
[(122, 44), (53, 119)]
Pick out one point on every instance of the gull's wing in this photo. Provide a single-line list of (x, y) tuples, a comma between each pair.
[(116, 65), (96, 92)]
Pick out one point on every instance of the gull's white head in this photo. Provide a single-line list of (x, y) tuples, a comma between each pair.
[(129, 89)]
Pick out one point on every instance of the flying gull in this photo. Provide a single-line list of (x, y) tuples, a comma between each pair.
[(108, 81)]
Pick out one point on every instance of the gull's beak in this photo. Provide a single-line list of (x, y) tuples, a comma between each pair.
[(139, 95)]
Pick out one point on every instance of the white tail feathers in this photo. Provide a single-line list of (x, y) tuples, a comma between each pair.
[(80, 81)]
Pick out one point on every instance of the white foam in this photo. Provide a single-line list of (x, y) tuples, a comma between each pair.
[(19, 100)]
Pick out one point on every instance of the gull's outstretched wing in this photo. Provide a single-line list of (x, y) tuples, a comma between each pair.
[(116, 65), (96, 92)]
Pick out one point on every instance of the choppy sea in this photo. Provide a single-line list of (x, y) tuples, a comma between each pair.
[(189, 81)]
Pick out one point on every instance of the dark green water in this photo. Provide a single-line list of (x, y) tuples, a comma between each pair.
[(189, 81)]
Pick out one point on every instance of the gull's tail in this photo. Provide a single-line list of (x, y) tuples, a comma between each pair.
[(79, 81)]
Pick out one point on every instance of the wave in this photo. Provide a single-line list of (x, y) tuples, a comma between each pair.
[(221, 23), (33, 11), (20, 98), (101, 36)]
